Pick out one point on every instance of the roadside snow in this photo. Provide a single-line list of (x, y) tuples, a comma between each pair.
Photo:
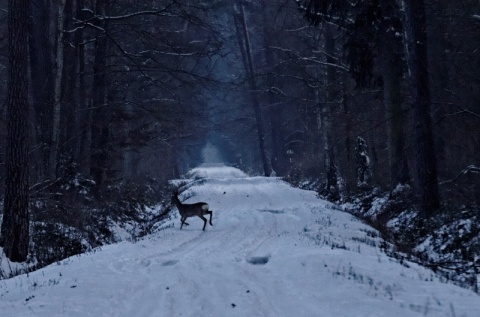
[(273, 250)]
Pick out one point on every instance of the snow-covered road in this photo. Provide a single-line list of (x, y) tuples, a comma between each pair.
[(273, 250)]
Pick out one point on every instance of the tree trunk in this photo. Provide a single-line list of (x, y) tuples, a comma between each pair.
[(393, 104), (392, 73), (424, 145), (253, 87), (99, 136), (440, 72), (274, 103), (332, 188), (82, 119), (70, 127), (15, 225), (54, 144), (41, 73), (330, 98), (128, 152)]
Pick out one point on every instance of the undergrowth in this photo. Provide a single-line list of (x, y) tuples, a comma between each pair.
[(448, 242), (69, 218)]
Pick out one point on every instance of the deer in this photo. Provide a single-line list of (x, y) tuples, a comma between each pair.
[(189, 210)]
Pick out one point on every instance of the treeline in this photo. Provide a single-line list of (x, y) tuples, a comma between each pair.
[(338, 78), (375, 105), (108, 78), (111, 97)]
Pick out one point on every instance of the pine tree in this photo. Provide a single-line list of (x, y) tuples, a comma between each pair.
[(15, 224)]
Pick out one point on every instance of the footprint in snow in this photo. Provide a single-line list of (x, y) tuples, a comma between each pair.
[(145, 262), (169, 262), (258, 260)]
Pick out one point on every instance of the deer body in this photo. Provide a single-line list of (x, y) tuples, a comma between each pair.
[(190, 210)]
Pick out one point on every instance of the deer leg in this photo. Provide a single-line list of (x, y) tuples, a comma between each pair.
[(210, 213), (204, 221), (183, 222)]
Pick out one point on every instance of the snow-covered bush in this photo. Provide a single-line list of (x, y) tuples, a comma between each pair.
[(448, 242), (305, 173), (363, 170)]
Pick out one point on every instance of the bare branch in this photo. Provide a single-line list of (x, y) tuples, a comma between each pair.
[(310, 59), (469, 169)]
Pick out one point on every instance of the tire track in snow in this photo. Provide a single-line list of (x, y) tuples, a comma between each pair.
[(221, 246), (199, 260)]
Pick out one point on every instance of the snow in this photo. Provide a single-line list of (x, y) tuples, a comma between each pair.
[(215, 171), (273, 250)]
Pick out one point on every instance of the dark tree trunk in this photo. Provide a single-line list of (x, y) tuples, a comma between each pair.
[(331, 191), (332, 187), (41, 73), (99, 136), (441, 75), (392, 73), (57, 88), (82, 119), (69, 123), (331, 95), (277, 154), (253, 86), (15, 225), (424, 146)]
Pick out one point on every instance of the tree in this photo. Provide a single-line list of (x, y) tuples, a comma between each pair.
[(373, 28), (331, 188), (15, 224), (332, 96), (42, 79), (369, 17), (98, 116), (246, 50), (274, 103), (54, 145), (426, 164), (392, 71)]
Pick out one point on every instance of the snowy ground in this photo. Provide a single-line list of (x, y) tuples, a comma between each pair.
[(273, 251)]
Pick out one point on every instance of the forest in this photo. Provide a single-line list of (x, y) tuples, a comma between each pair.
[(373, 104)]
